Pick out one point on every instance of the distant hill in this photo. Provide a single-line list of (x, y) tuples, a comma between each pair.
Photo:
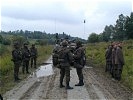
[(38, 35)]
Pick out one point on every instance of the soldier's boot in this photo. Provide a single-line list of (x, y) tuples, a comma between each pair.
[(68, 86), (81, 83), (61, 85)]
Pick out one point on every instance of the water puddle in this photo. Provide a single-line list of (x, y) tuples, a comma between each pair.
[(44, 70)]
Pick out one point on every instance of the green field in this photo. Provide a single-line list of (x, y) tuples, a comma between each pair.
[(96, 56), (6, 66)]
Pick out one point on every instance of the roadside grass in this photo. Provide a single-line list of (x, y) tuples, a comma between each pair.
[(6, 67), (96, 57)]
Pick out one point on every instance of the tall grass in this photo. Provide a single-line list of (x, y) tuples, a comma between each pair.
[(6, 67), (96, 55)]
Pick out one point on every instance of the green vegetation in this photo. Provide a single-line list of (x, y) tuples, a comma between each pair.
[(122, 30), (6, 66), (96, 56)]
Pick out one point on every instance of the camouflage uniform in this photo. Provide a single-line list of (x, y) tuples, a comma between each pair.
[(113, 61), (33, 52), (26, 58), (108, 56), (79, 62), (65, 57), (16, 58), (119, 61), (55, 55)]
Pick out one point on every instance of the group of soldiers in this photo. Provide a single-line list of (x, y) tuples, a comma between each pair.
[(114, 60), (65, 55), (23, 56)]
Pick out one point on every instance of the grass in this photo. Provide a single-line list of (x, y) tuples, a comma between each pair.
[(6, 67), (96, 56)]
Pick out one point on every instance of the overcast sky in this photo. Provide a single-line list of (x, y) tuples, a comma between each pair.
[(62, 15)]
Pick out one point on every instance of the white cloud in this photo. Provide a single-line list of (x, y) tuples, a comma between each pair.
[(69, 15)]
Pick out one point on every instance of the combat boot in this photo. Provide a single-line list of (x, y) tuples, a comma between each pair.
[(68, 86), (61, 84), (81, 83)]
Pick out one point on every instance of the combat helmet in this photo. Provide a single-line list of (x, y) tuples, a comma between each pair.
[(64, 43)]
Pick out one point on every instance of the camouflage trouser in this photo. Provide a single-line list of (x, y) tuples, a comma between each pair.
[(16, 69), (65, 72), (118, 71), (25, 66), (79, 73), (33, 59), (108, 66)]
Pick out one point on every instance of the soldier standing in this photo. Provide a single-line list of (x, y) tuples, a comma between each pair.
[(108, 56), (16, 58), (119, 61), (34, 53), (79, 56), (113, 59), (65, 57), (26, 58)]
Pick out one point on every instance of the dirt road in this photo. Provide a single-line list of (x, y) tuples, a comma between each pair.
[(44, 84)]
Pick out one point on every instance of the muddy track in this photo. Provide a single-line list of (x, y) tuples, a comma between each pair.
[(98, 85), (111, 89)]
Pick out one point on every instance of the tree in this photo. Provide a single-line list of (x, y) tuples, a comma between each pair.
[(93, 38), (129, 26), (120, 28)]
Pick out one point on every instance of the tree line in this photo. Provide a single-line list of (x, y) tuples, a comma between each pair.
[(122, 30), (41, 38)]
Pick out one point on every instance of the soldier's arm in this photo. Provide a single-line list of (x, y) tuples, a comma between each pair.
[(78, 55)]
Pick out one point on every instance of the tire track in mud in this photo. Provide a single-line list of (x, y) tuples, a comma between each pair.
[(111, 89), (54, 91), (95, 88)]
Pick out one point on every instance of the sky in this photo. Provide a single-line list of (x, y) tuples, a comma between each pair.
[(58, 16)]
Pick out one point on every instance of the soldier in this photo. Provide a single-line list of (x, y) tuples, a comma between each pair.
[(113, 59), (55, 53), (108, 56), (26, 58), (119, 61), (79, 56), (65, 58), (16, 58), (34, 53)]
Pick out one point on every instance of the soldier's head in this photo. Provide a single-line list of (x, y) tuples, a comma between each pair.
[(33, 45), (64, 43), (16, 45), (25, 45), (78, 43)]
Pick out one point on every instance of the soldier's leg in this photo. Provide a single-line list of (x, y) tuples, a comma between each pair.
[(119, 72), (80, 75), (62, 74), (15, 72), (27, 66), (35, 62), (67, 73), (31, 62), (24, 66)]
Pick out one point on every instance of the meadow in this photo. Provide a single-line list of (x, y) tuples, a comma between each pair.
[(96, 56), (6, 66)]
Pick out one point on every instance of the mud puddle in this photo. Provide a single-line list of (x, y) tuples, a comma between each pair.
[(45, 69)]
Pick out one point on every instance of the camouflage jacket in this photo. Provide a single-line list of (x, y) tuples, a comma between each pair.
[(16, 55), (119, 59), (65, 57)]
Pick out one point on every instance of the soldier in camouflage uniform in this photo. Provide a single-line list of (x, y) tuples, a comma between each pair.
[(34, 53), (26, 58), (108, 56), (119, 61), (79, 56), (65, 58), (16, 58)]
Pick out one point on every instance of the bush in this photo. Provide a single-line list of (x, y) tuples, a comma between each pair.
[(3, 49)]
